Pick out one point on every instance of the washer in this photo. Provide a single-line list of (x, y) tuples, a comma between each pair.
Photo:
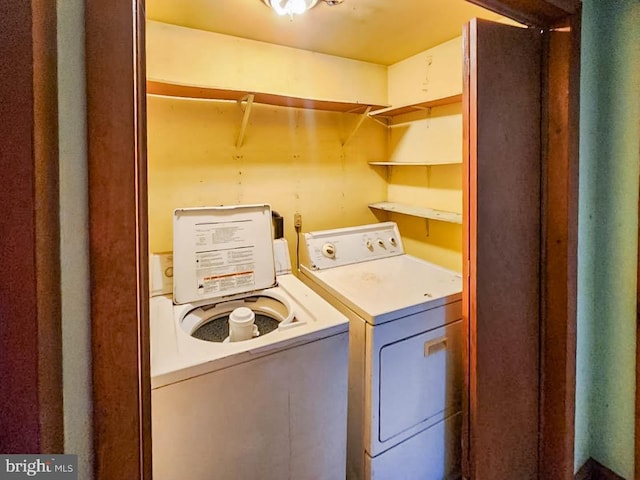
[(272, 406), (406, 376)]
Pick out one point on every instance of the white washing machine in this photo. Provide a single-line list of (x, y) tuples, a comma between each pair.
[(272, 406), (406, 376)]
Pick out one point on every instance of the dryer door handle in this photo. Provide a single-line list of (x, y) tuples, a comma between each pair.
[(434, 346)]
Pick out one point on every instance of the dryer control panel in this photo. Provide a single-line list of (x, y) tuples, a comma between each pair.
[(344, 246)]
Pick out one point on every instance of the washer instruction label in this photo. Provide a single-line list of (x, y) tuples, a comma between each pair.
[(225, 257)]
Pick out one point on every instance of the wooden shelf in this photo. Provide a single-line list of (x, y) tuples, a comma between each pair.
[(391, 112), (193, 91), (421, 212), (412, 164)]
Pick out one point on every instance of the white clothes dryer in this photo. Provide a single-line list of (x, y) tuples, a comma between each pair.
[(406, 376), (272, 406)]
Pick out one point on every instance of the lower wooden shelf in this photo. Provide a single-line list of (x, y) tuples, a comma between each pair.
[(413, 164), (422, 212)]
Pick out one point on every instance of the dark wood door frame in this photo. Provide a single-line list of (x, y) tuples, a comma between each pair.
[(118, 248), (535, 13), (558, 132), (31, 415), (116, 122), (559, 257)]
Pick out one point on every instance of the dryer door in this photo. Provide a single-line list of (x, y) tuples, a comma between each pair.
[(420, 380), (416, 375)]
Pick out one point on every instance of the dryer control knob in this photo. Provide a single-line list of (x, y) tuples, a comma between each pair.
[(392, 241), (381, 243), (329, 250), (369, 245)]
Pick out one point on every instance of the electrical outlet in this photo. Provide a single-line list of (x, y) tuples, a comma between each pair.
[(161, 275), (297, 220)]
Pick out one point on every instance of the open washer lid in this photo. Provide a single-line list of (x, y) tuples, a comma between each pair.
[(221, 251)]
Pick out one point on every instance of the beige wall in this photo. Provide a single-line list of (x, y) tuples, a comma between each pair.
[(74, 255)]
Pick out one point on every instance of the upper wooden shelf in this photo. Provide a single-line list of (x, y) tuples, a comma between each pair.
[(391, 112), (193, 91)]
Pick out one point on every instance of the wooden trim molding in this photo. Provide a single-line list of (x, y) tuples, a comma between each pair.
[(47, 226), (468, 178), (637, 412), (560, 233), (31, 414), (538, 13), (144, 342), (116, 121), (593, 470)]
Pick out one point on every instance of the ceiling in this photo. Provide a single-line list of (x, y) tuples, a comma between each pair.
[(377, 31)]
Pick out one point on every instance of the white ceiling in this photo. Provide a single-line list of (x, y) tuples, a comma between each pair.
[(377, 31)]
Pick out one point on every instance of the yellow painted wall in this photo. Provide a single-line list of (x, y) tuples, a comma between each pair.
[(195, 57), (434, 73), (433, 135), (437, 187), (439, 242), (291, 158)]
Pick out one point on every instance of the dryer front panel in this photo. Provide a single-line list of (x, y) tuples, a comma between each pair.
[(420, 380), (416, 375)]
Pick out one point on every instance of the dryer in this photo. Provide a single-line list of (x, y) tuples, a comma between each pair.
[(272, 406), (405, 371)]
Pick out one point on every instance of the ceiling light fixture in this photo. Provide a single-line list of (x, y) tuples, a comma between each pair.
[(291, 7), (295, 7)]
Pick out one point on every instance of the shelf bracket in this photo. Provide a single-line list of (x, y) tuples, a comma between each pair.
[(385, 123), (363, 115), (426, 227), (245, 117)]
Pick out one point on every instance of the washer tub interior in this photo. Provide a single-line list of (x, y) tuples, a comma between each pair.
[(210, 322)]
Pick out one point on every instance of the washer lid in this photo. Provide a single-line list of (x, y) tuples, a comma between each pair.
[(221, 251)]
